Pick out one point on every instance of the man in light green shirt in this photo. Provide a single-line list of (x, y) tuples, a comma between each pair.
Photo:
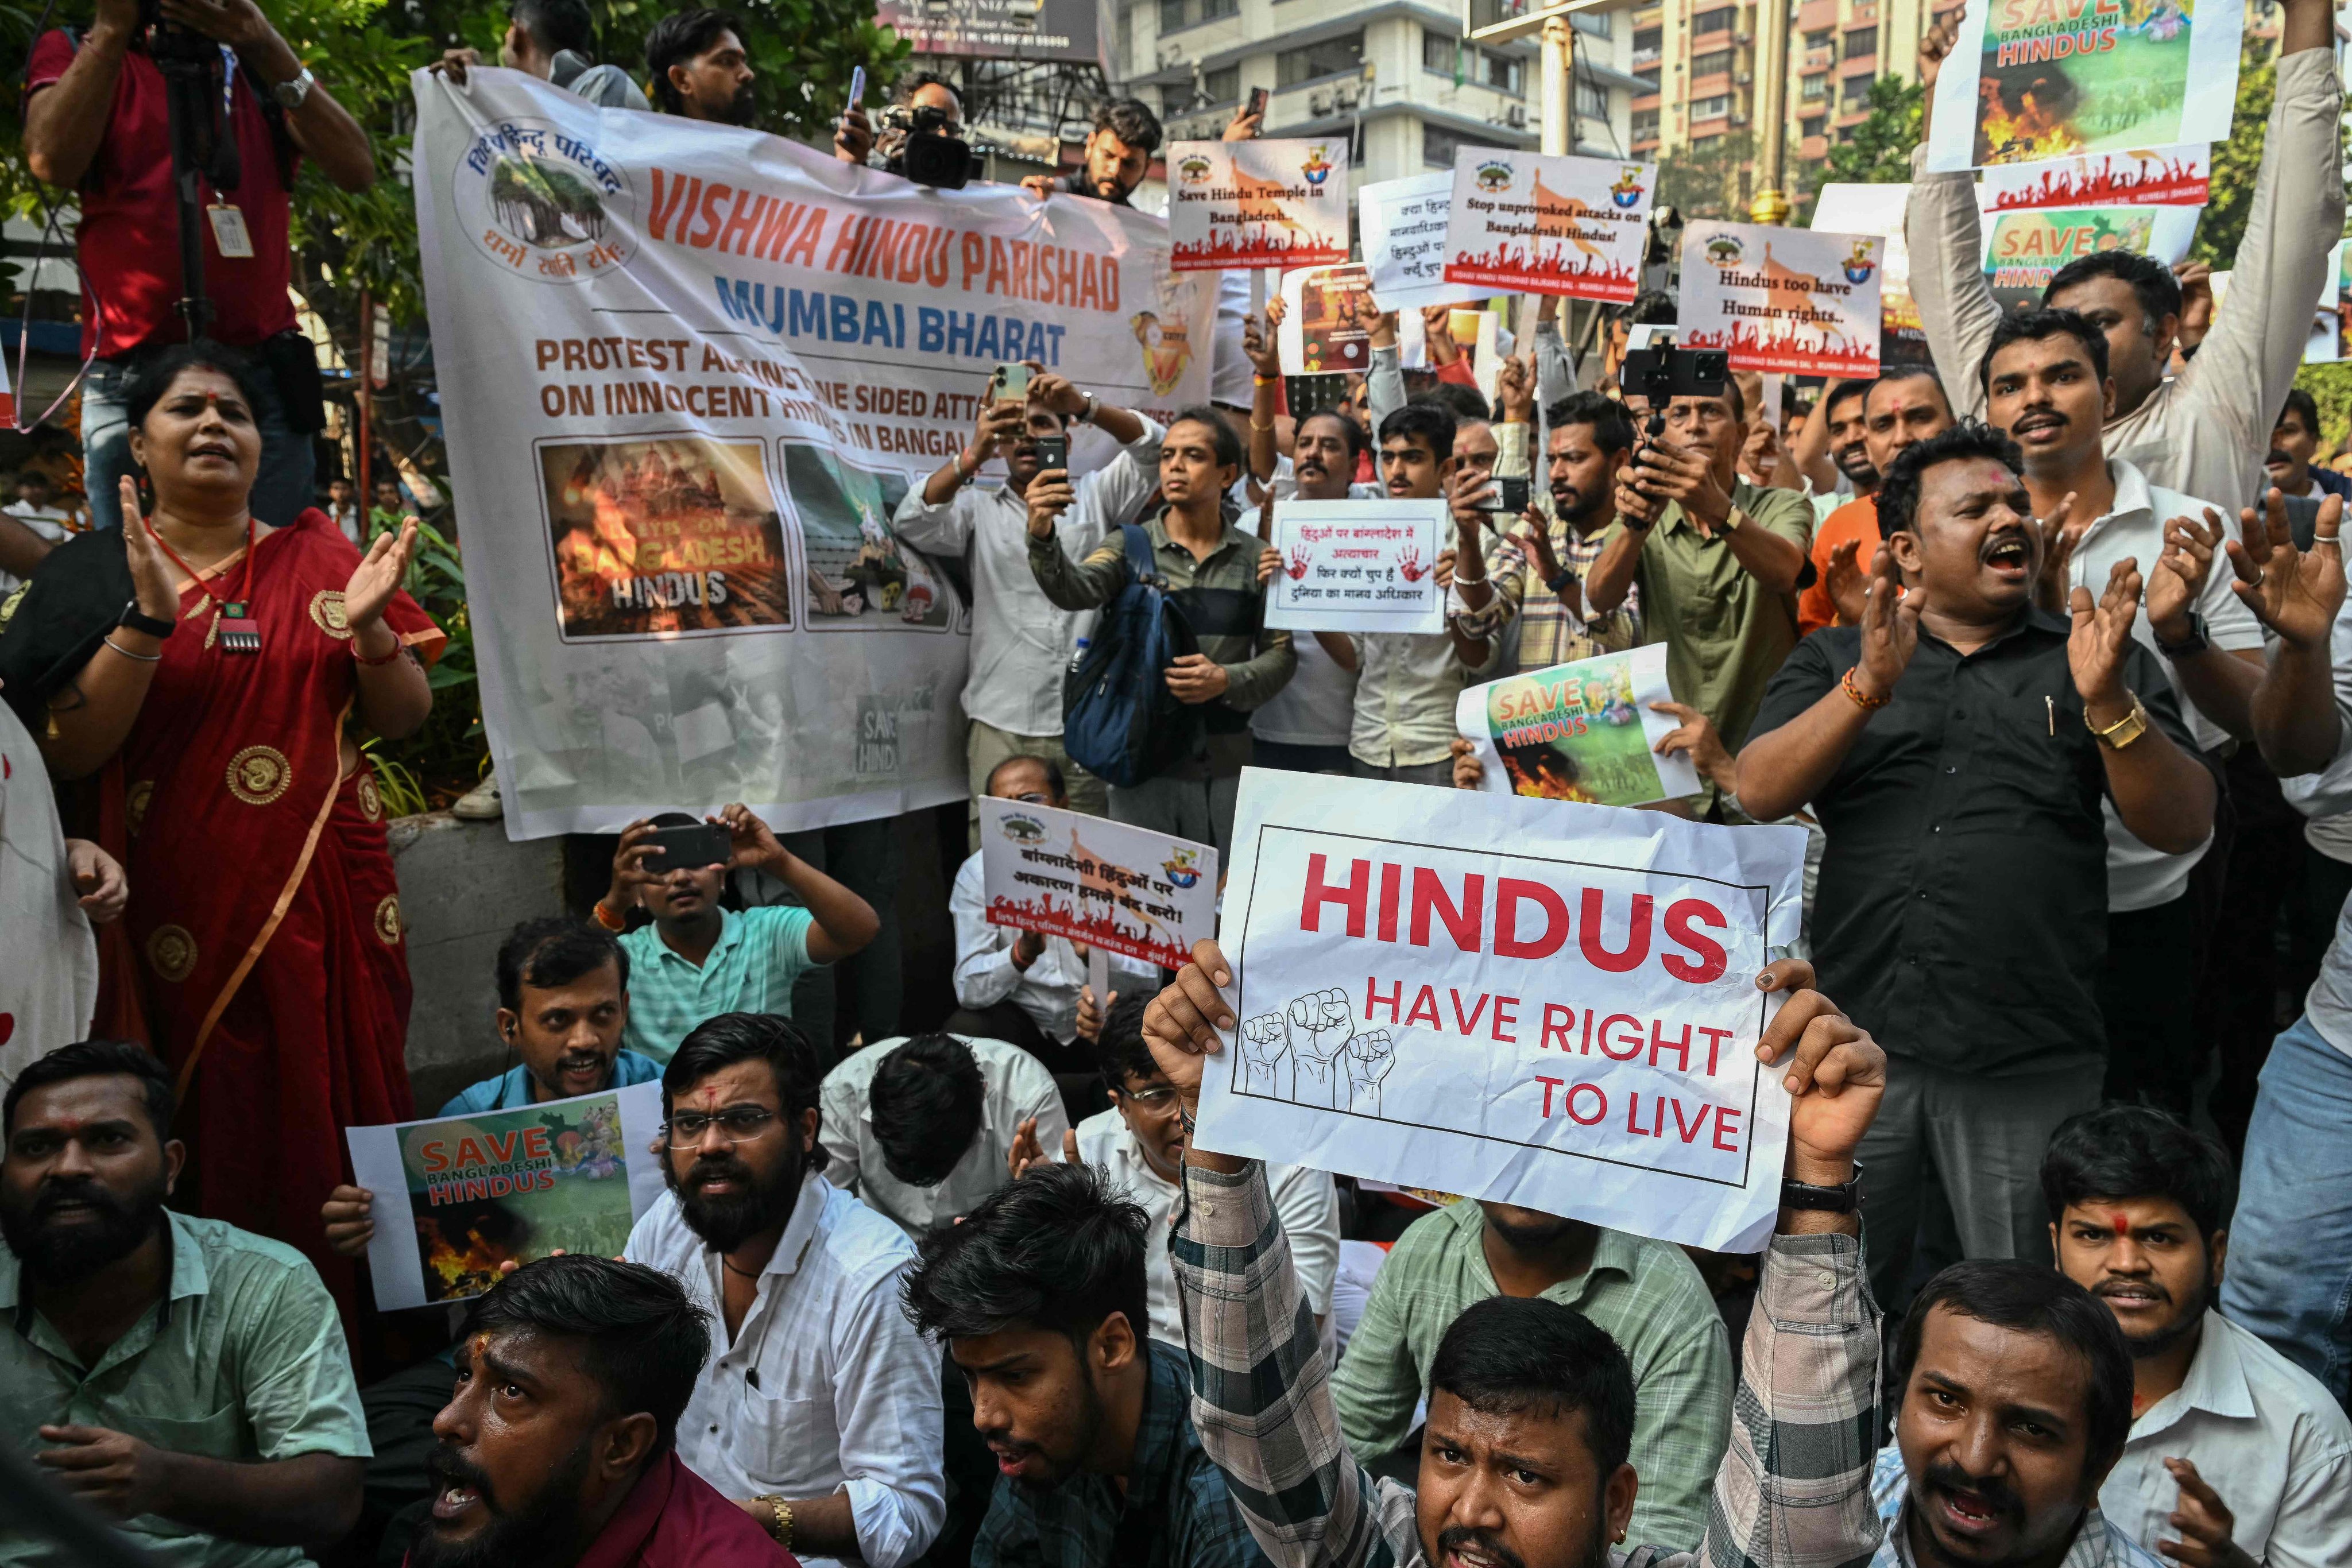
[(1646, 1295), (181, 1377)]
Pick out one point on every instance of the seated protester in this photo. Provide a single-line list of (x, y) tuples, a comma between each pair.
[(698, 960), (1139, 1146), (1532, 1408), (923, 1128), (182, 1377), (1020, 985), (2232, 1446), (559, 1447), (1039, 1295), (819, 1412)]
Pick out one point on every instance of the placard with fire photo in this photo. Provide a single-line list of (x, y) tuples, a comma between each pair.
[(458, 1197), (1127, 890), (1524, 222), (2024, 250), (1358, 566), (1582, 731)]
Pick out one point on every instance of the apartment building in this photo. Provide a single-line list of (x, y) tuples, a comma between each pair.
[(1395, 75)]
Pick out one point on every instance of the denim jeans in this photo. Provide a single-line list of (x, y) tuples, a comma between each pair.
[(2290, 1274), (280, 490)]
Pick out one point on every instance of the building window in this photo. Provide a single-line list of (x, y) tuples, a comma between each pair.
[(1596, 23), (1714, 108), (1708, 64), (1178, 15), (1820, 40), (1648, 76), (1223, 86), (1814, 127), (1506, 73), (1440, 53), (1438, 147), (1705, 22), (1342, 55), (1175, 99), (1591, 102), (1814, 87), (1857, 93), (1699, 141), (1645, 124), (1646, 37), (1860, 42)]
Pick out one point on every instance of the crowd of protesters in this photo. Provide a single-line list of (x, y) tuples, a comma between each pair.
[(2045, 641)]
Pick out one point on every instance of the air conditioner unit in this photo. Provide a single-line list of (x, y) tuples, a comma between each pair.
[(1347, 98), (1517, 116), (1318, 104), (1744, 78)]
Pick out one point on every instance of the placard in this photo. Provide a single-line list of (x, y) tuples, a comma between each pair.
[(1582, 731), (1327, 321), (1258, 203), (1404, 224), (1114, 886), (2152, 176), (457, 1196), (1534, 1003), (1358, 566), (1798, 300), (2029, 81), (1878, 210), (1530, 223), (2024, 250)]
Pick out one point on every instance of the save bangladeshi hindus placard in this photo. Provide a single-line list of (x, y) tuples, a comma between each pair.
[(2156, 176), (1582, 731), (1281, 203), (687, 373), (2024, 249), (1112, 885), (457, 1196), (1798, 300), (1530, 223), (1327, 321), (1404, 224), (1358, 566), (1529, 1001), (2034, 79)]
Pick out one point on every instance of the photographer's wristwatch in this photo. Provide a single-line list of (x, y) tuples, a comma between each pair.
[(291, 94)]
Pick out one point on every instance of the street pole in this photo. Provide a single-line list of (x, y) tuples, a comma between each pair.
[(1770, 205), (1559, 101)]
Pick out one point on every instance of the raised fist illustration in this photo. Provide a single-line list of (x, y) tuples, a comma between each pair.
[(1369, 1057), (1263, 1042), (1320, 1023)]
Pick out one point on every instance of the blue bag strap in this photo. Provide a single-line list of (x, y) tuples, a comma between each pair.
[(1137, 545)]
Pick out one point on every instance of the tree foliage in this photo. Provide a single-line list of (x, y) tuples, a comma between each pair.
[(2235, 164), (1709, 180), (1879, 152)]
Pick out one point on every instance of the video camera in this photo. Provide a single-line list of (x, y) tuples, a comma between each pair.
[(928, 152)]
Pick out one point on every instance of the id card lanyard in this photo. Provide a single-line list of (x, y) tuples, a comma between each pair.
[(230, 236)]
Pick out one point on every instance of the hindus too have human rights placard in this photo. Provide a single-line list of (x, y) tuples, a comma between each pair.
[(1358, 566), (1798, 300), (1582, 731), (458, 1197), (2024, 249), (2150, 177), (1527, 1002), (1124, 889), (2034, 79), (1524, 222), (1257, 204)]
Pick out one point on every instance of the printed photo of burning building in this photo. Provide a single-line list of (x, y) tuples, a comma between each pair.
[(515, 1185)]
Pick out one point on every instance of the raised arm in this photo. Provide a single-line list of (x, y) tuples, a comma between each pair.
[(842, 922), (321, 126), (1266, 393), (1946, 239), (1070, 584), (2298, 596), (65, 122), (91, 714), (395, 698)]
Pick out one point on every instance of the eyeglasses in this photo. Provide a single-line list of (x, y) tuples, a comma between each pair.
[(737, 1126), (1034, 798), (1156, 1102)]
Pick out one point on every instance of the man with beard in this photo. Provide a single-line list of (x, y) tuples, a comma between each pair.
[(819, 1414), (1904, 405), (1847, 425), (1539, 569), (1957, 748), (182, 1377), (1040, 1297), (2236, 1455), (1532, 1408), (1021, 642), (699, 69), (1117, 153), (558, 1448)]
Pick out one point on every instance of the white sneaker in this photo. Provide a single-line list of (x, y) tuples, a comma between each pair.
[(481, 803)]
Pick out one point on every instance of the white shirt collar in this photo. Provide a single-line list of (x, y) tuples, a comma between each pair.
[(2216, 1382)]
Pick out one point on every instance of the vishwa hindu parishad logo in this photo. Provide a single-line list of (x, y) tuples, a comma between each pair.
[(1859, 266), (1317, 168), (1193, 171), (543, 203), (1494, 177), (1023, 830), (1183, 867), (1725, 250), (1626, 192)]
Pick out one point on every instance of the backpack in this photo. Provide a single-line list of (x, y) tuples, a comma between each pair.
[(1119, 721)]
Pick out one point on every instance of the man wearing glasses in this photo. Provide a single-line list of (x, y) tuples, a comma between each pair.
[(818, 1411)]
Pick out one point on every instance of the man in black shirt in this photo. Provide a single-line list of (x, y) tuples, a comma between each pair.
[(1954, 746)]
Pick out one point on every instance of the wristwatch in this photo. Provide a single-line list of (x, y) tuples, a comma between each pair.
[(2190, 646), (131, 620), (291, 94), (1842, 1200), (1559, 580), (1732, 518), (1087, 414), (2124, 730)]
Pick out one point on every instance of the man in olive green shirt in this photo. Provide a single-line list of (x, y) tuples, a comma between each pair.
[(1646, 1295), (1717, 562), (181, 1377)]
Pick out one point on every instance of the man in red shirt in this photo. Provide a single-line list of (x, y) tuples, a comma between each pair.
[(95, 119), (1904, 405), (558, 1447)]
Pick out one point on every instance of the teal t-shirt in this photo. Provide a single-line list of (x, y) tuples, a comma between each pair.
[(751, 969)]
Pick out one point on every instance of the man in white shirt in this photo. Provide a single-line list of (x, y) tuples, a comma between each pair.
[(819, 1404), (2232, 1446), (921, 1128), (1023, 986), (1022, 643), (2047, 384)]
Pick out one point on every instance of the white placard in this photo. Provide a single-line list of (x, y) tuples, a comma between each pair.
[(1532, 1002), (1117, 888), (1801, 301), (1257, 204), (1358, 566), (2154, 177), (1581, 731), (1526, 223), (1404, 242), (457, 1196)]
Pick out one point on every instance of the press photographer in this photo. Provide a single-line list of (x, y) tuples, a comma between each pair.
[(921, 137), (98, 119)]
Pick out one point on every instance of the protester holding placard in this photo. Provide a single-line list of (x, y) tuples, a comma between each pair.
[(1540, 566), (2203, 432)]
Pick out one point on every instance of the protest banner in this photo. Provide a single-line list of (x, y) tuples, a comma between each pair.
[(1798, 300), (457, 1196), (2024, 249), (2152, 176), (1257, 204), (687, 373), (1581, 731), (1517, 1000), (2029, 81), (1878, 210), (1117, 887), (1405, 226), (1327, 321), (1524, 222), (1358, 566), (1003, 29)]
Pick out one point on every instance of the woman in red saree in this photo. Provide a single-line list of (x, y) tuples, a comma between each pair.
[(264, 915)]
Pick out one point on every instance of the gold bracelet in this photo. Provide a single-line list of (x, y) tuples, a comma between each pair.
[(780, 1526), (1259, 381), (1256, 425), (2124, 730)]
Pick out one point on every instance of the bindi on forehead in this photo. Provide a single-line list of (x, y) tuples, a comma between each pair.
[(2121, 1222)]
